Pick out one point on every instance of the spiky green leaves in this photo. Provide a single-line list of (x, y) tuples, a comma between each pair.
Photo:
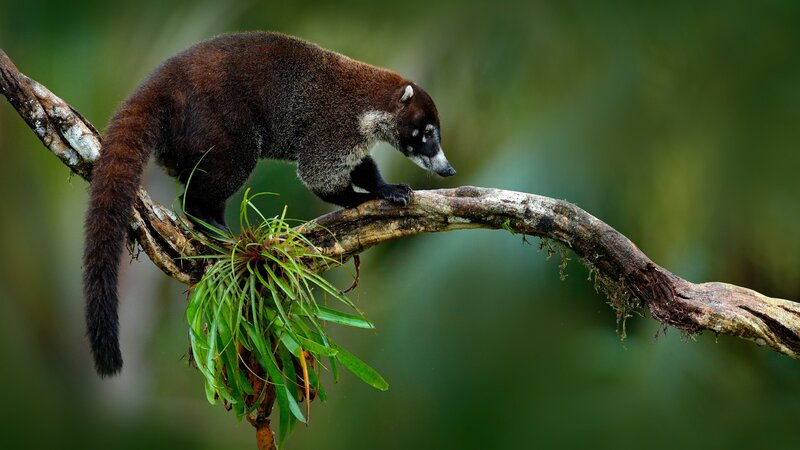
[(255, 324)]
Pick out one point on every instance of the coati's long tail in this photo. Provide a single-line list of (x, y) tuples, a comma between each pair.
[(129, 140)]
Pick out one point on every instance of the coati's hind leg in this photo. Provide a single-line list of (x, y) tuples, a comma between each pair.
[(218, 176)]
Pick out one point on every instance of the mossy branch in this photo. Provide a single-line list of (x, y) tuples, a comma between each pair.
[(619, 267)]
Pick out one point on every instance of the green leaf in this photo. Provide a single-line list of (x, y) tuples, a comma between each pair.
[(361, 369), (291, 344), (334, 369), (282, 390), (195, 300), (290, 375), (290, 380), (294, 406), (257, 339), (317, 348), (313, 376), (332, 315), (276, 377)]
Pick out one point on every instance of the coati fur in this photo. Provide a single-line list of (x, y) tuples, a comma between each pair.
[(223, 104)]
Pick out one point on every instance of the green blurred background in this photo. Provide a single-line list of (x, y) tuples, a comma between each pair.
[(679, 124)]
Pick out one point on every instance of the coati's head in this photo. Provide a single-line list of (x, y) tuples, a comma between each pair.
[(418, 132)]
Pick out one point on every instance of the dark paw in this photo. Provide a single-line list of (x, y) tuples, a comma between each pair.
[(399, 194)]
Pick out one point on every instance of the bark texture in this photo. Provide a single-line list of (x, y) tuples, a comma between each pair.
[(626, 274)]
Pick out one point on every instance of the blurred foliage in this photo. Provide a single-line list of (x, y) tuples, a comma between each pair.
[(676, 123)]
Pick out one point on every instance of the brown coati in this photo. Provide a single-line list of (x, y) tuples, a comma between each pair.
[(230, 101)]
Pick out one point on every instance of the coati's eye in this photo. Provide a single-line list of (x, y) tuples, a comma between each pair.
[(428, 133)]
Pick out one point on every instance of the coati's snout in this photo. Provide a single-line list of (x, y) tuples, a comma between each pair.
[(437, 163), (448, 171)]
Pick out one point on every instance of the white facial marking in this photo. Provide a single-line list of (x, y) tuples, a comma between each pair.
[(415, 132), (436, 163), (430, 130), (409, 148), (407, 93), (418, 160)]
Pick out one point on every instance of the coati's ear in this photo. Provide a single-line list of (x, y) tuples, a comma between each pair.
[(408, 92)]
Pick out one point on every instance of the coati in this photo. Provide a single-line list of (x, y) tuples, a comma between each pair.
[(223, 104)]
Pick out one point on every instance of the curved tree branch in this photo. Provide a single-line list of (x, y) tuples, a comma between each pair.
[(626, 274)]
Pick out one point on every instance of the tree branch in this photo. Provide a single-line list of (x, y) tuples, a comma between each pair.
[(626, 274)]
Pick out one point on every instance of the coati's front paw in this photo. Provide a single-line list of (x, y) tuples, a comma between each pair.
[(399, 194)]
